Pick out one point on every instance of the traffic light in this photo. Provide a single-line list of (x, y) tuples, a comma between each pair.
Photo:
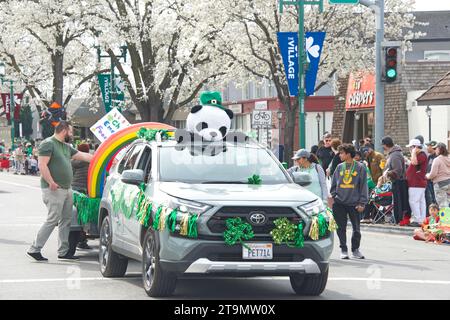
[(391, 61)]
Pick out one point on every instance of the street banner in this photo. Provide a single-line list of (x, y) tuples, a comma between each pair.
[(112, 122), (288, 43), (313, 48), (104, 80), (7, 105)]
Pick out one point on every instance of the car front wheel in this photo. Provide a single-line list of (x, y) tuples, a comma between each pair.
[(157, 282), (309, 285), (111, 263)]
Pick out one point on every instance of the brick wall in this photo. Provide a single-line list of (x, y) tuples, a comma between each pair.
[(339, 109)]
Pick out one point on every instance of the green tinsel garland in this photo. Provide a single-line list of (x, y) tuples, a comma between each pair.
[(148, 214), (87, 208), (192, 226), (323, 225), (287, 232), (237, 231), (150, 134), (172, 220), (157, 217)]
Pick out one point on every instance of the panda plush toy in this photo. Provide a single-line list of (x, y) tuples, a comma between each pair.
[(210, 120)]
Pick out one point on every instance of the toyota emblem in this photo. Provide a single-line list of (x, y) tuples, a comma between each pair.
[(257, 218)]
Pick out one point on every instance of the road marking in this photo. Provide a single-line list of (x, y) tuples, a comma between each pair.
[(20, 185), (9, 225), (54, 280), (393, 280)]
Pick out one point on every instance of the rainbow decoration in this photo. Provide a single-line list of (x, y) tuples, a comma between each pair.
[(104, 155)]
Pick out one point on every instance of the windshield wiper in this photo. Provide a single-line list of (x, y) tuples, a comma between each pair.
[(223, 182)]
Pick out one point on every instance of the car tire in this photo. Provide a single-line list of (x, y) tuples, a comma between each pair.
[(309, 285), (157, 282), (112, 264)]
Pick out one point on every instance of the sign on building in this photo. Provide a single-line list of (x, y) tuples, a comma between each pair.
[(261, 119), (360, 91), (112, 122), (236, 108), (261, 105)]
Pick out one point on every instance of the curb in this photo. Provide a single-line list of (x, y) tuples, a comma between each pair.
[(408, 231)]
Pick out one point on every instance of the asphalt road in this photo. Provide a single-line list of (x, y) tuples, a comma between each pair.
[(397, 267)]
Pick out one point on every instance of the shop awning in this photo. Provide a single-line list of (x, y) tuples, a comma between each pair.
[(438, 94)]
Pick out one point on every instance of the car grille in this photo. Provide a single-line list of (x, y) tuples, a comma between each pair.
[(216, 223)]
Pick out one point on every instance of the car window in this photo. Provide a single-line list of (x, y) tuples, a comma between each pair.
[(121, 166), (145, 162), (131, 161)]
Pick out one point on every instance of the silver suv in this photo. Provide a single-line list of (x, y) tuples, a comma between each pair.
[(216, 188)]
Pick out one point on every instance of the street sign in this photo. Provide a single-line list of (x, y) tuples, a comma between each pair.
[(343, 1), (112, 122), (261, 105), (261, 119)]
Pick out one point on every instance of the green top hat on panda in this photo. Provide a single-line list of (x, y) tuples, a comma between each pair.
[(211, 98)]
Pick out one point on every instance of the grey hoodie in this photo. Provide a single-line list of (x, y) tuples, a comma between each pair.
[(396, 162)]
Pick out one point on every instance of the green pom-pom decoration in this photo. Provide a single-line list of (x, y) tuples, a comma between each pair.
[(157, 217), (192, 226), (287, 232), (323, 225), (255, 179)]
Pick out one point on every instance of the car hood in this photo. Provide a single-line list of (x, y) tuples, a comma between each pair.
[(237, 192)]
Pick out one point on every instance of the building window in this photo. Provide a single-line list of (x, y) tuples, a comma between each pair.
[(440, 55)]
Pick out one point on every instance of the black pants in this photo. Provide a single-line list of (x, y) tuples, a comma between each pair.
[(429, 195), (340, 213), (401, 202)]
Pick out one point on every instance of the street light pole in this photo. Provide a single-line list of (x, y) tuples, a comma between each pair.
[(428, 111), (318, 126)]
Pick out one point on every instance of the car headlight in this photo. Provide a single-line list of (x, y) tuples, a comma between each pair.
[(188, 205), (312, 208)]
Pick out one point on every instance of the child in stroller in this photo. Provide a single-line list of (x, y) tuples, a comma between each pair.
[(380, 206)]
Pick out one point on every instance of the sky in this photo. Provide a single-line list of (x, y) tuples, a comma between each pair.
[(432, 5)]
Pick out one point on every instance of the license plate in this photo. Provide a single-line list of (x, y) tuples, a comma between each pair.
[(255, 251)]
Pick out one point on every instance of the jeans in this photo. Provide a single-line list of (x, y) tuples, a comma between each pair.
[(59, 204), (442, 195), (340, 213), (400, 197), (417, 204), (429, 194)]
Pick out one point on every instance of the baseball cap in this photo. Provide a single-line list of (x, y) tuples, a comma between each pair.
[(414, 143), (302, 153), (440, 145), (431, 144), (387, 141)]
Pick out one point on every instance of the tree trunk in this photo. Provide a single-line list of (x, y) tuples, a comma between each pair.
[(289, 130), (58, 77)]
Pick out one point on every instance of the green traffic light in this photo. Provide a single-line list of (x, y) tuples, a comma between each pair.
[(391, 73)]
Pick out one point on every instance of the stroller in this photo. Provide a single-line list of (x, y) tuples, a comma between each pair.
[(381, 200)]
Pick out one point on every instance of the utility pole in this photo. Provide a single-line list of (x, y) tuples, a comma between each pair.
[(300, 4), (378, 7), (12, 107)]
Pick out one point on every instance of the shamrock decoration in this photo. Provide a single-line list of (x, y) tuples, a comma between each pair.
[(237, 231), (254, 179), (287, 232)]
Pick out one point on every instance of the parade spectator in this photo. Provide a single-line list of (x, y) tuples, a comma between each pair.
[(307, 162), (396, 166), (429, 191), (34, 165), (417, 182), (56, 178), (335, 143), (79, 183), (325, 154), (278, 150), (314, 150), (19, 159), (440, 175), (375, 161), (367, 140), (2, 147), (350, 196)]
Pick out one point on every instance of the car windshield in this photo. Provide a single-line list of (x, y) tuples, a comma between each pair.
[(234, 166)]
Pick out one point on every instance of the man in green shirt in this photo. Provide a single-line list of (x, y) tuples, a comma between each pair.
[(55, 155)]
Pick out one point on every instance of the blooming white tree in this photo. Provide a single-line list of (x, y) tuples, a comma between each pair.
[(250, 39)]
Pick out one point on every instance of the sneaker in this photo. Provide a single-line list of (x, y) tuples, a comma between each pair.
[(344, 254), (37, 256), (414, 224), (68, 257), (357, 254)]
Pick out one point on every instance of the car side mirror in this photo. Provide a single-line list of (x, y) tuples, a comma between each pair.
[(135, 176), (303, 179)]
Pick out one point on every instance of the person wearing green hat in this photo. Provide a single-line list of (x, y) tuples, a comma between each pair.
[(429, 191)]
